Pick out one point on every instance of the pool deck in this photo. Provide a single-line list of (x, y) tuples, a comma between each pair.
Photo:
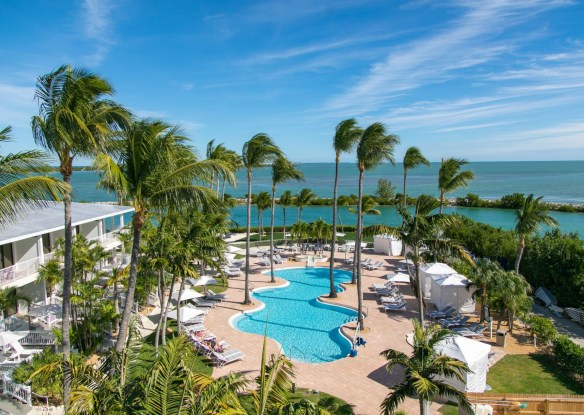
[(362, 381)]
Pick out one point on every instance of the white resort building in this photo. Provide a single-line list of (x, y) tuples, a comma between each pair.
[(29, 242)]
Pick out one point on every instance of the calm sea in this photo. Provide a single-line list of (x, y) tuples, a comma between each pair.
[(557, 181)]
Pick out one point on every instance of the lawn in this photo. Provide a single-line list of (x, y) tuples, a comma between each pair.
[(535, 373)]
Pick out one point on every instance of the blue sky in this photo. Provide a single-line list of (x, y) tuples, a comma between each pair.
[(483, 80)]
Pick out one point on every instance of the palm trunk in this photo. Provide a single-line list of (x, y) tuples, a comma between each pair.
[(273, 279), (419, 287), (284, 212), (424, 407), (259, 224), (166, 309), (66, 312), (405, 201), (178, 306), (358, 250), (247, 300), (520, 253), (332, 291), (223, 191), (162, 299), (441, 201), (138, 222)]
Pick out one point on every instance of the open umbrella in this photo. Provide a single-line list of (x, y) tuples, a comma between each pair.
[(9, 337), (203, 281), (186, 295), (234, 249), (186, 313)]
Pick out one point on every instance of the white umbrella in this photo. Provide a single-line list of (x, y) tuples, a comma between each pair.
[(340, 234), (186, 313), (9, 337), (233, 249), (186, 295), (203, 281)]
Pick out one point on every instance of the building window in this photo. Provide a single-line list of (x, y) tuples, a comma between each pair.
[(6, 256), (47, 248)]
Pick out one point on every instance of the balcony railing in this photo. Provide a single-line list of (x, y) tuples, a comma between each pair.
[(108, 239), (22, 269), (15, 390)]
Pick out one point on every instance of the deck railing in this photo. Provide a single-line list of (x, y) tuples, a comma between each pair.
[(22, 269), (38, 338), (17, 391), (108, 239)]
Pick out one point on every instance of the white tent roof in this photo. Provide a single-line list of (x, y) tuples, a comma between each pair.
[(438, 268), (187, 294), (452, 279), (399, 277), (186, 313)]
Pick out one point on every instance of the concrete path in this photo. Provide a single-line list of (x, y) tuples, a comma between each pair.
[(564, 325)]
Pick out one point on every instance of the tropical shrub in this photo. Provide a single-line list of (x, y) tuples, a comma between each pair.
[(543, 328), (569, 356)]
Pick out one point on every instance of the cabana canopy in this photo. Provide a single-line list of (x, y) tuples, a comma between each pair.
[(429, 270), (450, 290), (399, 277)]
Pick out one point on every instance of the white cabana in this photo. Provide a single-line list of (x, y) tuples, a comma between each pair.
[(432, 269), (399, 277), (186, 313), (187, 294), (450, 290), (475, 354), (387, 245)]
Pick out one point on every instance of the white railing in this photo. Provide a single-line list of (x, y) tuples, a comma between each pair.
[(22, 269), (38, 338), (17, 391), (108, 239), (6, 368)]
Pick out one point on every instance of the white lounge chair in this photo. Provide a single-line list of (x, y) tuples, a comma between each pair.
[(374, 265), (388, 285), (226, 357), (394, 307), (231, 272), (278, 259), (211, 295)]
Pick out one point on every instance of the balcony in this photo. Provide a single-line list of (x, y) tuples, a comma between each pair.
[(22, 270), (109, 240)]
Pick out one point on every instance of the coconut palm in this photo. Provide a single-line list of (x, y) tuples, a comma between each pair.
[(424, 369), (52, 274), (303, 198), (412, 159), (321, 231), (528, 220), (259, 151), (159, 169), (511, 297), (282, 171), (347, 134), (285, 200), (19, 190), (485, 277), (263, 201), (451, 178), (75, 119), (231, 160), (375, 146)]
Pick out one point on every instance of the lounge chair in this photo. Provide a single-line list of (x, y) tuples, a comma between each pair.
[(477, 331), (374, 265), (231, 272), (203, 303), (211, 295), (394, 307), (264, 262), (387, 285), (391, 299), (454, 322), (366, 262), (226, 357), (194, 327), (444, 313), (278, 259), (386, 291)]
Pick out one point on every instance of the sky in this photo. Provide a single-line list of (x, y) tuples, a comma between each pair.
[(482, 80)]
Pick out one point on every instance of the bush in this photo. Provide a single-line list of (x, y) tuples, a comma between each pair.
[(569, 356), (542, 327), (50, 386)]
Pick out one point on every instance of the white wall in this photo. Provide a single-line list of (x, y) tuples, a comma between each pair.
[(90, 230), (25, 249), (34, 291)]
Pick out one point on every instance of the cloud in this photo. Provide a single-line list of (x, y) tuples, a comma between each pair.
[(283, 12), (466, 42), (96, 18), (17, 105)]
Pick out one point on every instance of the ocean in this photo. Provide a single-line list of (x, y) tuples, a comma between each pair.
[(556, 181)]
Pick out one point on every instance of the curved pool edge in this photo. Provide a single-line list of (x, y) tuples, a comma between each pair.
[(319, 299)]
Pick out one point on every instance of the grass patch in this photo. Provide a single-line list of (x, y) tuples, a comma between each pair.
[(449, 409), (534, 373), (329, 402)]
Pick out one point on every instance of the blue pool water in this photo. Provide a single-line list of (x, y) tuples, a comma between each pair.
[(307, 329)]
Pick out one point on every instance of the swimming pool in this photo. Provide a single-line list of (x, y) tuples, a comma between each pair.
[(307, 329)]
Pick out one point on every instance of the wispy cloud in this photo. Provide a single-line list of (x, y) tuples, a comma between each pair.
[(466, 42), (17, 104), (96, 17), (292, 10)]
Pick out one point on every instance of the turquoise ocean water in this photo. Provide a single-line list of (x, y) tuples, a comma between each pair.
[(557, 181)]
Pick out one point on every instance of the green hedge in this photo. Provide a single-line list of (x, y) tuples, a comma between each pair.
[(569, 356)]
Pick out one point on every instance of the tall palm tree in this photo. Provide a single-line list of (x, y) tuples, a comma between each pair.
[(285, 200), (321, 231), (259, 151), (347, 134), (19, 190), (412, 159), (451, 178), (229, 157), (282, 171), (263, 201), (159, 169), (303, 198), (375, 146), (75, 119), (485, 277), (528, 220), (423, 369), (52, 274)]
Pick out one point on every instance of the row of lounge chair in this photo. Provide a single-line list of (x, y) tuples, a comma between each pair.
[(265, 260), (206, 343), (367, 263), (390, 297), (447, 318)]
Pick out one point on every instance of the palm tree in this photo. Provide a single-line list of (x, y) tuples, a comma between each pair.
[(347, 134), (159, 169), (52, 274), (423, 369), (375, 145), (285, 200), (512, 297), (19, 190), (321, 231), (282, 171), (229, 157), (302, 199), (485, 276), (528, 220), (263, 201), (451, 178), (74, 120), (412, 159), (259, 151)]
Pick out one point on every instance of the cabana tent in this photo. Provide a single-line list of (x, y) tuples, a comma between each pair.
[(429, 270), (450, 290), (399, 277), (475, 354), (386, 245)]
